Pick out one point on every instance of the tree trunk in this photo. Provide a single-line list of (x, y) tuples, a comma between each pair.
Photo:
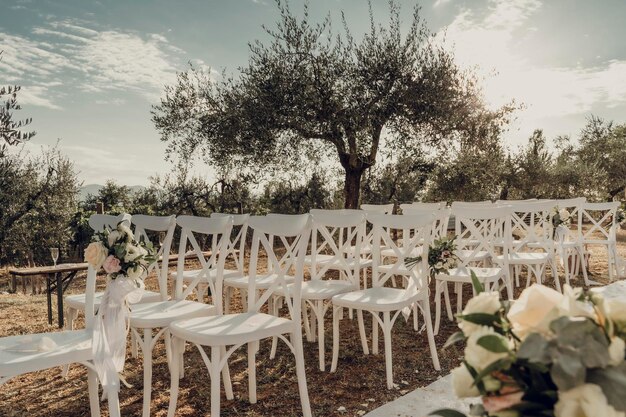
[(352, 188)]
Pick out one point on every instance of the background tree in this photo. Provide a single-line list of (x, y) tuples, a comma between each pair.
[(311, 91), (114, 197)]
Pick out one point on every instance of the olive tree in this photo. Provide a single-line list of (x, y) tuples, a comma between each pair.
[(310, 91)]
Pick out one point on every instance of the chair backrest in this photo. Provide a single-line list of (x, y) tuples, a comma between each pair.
[(479, 230), (377, 208), (441, 216), (416, 237), (99, 222), (602, 220), (531, 223), (159, 224), (419, 205), (237, 244), (210, 229), (573, 206), (470, 204), (265, 230), (334, 233)]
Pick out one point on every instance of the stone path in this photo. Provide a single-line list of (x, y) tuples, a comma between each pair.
[(422, 401)]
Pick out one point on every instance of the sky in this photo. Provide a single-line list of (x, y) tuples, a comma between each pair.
[(91, 70)]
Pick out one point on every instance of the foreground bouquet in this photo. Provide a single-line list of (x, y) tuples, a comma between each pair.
[(118, 253), (441, 256), (546, 354), (126, 262)]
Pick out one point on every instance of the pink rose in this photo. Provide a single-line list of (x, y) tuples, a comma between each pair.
[(111, 264), (495, 403)]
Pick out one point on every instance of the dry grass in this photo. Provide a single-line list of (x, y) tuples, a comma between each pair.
[(358, 384)]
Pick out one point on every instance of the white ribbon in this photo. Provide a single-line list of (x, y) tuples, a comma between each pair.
[(111, 328)]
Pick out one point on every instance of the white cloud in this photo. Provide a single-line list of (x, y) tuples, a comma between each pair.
[(489, 42), (94, 60), (439, 3)]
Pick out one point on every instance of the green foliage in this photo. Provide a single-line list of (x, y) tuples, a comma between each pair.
[(310, 89), (284, 197), (10, 129)]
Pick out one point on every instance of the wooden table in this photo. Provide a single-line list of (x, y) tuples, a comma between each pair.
[(59, 277)]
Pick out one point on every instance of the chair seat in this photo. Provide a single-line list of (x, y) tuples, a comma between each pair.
[(324, 260), (320, 289), (392, 254), (262, 283), (378, 299), (524, 258), (479, 255), (231, 329), (72, 346), (163, 313), (190, 275), (462, 274), (77, 301)]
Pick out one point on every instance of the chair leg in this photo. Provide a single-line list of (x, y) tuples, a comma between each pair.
[(134, 346), (431, 337), (251, 372), (388, 352), (319, 313), (416, 326), (359, 314), (174, 376), (273, 309), (305, 320), (375, 333), (228, 386), (146, 345), (336, 318), (215, 380), (113, 402), (94, 401), (446, 297), (296, 340), (438, 293)]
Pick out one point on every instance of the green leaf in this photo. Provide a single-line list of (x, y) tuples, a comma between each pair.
[(482, 319), (447, 412), (454, 339), (478, 286), (493, 343), (535, 349), (612, 380), (499, 365)]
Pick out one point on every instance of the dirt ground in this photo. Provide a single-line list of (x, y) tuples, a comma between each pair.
[(358, 385)]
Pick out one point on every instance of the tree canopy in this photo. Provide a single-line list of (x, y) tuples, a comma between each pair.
[(311, 91)]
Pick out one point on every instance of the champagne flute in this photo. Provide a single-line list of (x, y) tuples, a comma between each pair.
[(54, 253)]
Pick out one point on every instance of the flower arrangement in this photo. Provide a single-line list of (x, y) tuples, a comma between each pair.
[(560, 218), (119, 254), (441, 256), (546, 354)]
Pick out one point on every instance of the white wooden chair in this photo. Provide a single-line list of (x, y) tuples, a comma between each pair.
[(569, 243), (75, 303), (391, 302), (532, 243), (35, 352), (482, 234), (333, 232), (146, 317), (418, 205), (226, 333), (236, 247), (603, 231)]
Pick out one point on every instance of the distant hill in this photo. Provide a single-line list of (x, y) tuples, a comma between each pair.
[(85, 190)]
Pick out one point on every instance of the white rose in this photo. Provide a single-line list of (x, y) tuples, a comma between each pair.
[(485, 302), (135, 273), (113, 237), (536, 307), (570, 306), (564, 215), (615, 310), (133, 252), (125, 231), (439, 265), (585, 400), (95, 254), (617, 350), (479, 357), (462, 383)]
